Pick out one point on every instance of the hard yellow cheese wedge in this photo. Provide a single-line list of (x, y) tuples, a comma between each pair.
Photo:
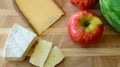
[(41, 53), (55, 57), (40, 13)]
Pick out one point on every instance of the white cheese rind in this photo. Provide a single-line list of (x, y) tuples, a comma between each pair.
[(55, 57), (18, 43), (40, 53)]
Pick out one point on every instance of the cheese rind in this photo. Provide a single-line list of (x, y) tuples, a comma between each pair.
[(55, 57), (40, 53), (40, 13), (18, 43)]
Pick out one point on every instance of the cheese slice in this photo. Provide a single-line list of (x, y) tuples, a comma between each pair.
[(40, 53), (55, 57), (18, 43), (40, 13)]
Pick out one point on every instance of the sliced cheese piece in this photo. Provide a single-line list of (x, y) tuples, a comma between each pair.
[(55, 57), (40, 13), (18, 43), (41, 53)]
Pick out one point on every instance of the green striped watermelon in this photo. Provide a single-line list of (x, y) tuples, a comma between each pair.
[(111, 11)]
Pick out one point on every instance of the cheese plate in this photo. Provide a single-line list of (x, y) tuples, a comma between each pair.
[(104, 53)]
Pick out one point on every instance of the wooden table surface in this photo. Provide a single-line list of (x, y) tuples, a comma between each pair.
[(104, 53)]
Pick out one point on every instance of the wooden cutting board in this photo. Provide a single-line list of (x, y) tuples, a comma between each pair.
[(104, 53)]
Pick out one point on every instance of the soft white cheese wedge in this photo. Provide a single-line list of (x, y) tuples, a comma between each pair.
[(55, 57), (18, 43), (41, 53)]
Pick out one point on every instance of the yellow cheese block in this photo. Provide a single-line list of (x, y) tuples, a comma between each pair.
[(40, 13), (55, 57), (40, 53)]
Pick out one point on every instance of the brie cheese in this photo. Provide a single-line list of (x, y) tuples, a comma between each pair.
[(18, 43)]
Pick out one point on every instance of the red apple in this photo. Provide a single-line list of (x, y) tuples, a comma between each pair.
[(85, 27), (84, 4)]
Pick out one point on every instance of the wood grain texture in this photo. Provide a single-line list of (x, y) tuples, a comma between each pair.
[(104, 53)]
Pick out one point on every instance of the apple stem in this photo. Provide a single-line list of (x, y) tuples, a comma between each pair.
[(85, 24)]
